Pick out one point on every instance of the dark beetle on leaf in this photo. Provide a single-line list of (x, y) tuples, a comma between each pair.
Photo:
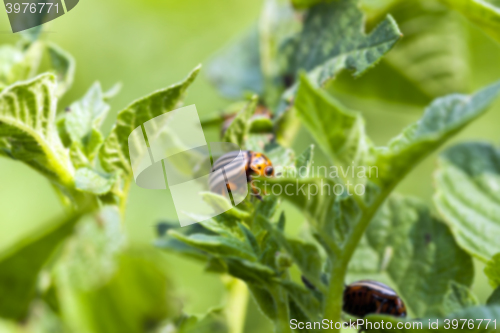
[(367, 297)]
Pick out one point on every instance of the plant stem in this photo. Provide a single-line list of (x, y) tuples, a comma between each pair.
[(334, 300), (236, 307), (333, 309), (123, 198)]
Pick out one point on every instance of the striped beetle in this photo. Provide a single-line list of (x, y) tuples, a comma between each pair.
[(253, 164), (367, 296)]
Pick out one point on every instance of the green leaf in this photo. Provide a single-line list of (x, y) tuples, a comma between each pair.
[(177, 246), (82, 122), (492, 270), (304, 162), (217, 245), (458, 297), (333, 39), (280, 156), (430, 61), (304, 299), (83, 154), (305, 255), (236, 69), (387, 165), (303, 193), (396, 90), (87, 113), (435, 56), (494, 299), (250, 272), (298, 314), (441, 120), (89, 258), (345, 141), (113, 91), (418, 253), (302, 4), (174, 245), (339, 132), (330, 216), (240, 126), (483, 14), (212, 322), (257, 142), (264, 300), (19, 63), (88, 180), (216, 265), (63, 66), (41, 319), (250, 238), (261, 125), (114, 154), (221, 204), (28, 130), (214, 226), (22, 62), (467, 197), (278, 23), (20, 266), (102, 286), (136, 296), (267, 207)]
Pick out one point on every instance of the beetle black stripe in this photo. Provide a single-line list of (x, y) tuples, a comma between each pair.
[(225, 159), (233, 165), (365, 297), (215, 178), (382, 288)]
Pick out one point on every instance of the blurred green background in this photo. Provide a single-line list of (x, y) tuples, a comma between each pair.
[(151, 44)]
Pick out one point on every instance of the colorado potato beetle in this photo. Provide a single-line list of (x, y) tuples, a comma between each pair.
[(366, 297), (253, 164)]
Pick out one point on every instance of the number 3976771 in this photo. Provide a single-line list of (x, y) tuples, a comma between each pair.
[(33, 8), (470, 323)]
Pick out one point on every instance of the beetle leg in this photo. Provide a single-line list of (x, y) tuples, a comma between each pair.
[(255, 191), (258, 196)]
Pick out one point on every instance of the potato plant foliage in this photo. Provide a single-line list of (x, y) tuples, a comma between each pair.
[(80, 274)]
